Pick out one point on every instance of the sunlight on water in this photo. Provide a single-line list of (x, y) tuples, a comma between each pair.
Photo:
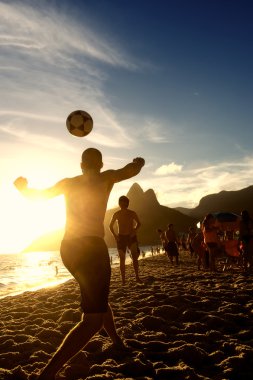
[(35, 270), (30, 271)]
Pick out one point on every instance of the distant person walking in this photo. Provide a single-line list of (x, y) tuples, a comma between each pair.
[(190, 237), (199, 249), (211, 239), (163, 239), (171, 244), (128, 223), (83, 249), (246, 240)]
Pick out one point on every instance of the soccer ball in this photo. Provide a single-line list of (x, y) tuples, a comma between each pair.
[(79, 123)]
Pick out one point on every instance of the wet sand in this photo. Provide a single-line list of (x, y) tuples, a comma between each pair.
[(179, 324)]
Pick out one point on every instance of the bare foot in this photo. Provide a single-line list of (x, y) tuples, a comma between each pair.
[(120, 345)]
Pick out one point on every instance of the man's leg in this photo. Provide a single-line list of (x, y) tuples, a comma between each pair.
[(170, 257), (122, 259), (135, 255), (109, 326), (75, 340)]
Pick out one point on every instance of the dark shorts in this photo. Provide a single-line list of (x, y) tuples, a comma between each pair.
[(126, 241), (87, 259), (171, 249), (212, 245)]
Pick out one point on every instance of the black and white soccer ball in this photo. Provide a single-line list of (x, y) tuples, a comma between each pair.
[(79, 123)]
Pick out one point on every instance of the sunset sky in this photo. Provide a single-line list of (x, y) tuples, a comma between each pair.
[(168, 80)]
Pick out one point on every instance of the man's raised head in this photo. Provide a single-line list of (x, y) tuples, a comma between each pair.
[(92, 159)]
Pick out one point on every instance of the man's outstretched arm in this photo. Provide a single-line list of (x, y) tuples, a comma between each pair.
[(21, 184), (130, 170)]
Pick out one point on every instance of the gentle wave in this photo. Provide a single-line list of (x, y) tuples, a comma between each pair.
[(35, 270)]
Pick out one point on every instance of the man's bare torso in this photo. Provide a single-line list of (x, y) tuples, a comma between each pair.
[(126, 221), (86, 200)]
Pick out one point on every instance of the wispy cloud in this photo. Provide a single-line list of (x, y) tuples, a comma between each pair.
[(188, 185), (171, 168), (48, 31), (154, 132), (110, 131), (51, 65), (37, 139), (147, 129), (29, 115)]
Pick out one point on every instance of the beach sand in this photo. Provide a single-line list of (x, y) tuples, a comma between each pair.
[(179, 324)]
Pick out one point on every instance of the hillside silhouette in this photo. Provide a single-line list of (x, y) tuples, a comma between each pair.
[(233, 201), (152, 216)]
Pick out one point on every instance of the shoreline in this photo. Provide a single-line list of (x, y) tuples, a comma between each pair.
[(9, 290), (180, 323)]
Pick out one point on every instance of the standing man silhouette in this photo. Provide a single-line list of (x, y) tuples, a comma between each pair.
[(83, 249), (128, 223)]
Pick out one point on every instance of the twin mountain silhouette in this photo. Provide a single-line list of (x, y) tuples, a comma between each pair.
[(153, 215)]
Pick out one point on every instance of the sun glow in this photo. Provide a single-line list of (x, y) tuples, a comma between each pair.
[(35, 270), (23, 220)]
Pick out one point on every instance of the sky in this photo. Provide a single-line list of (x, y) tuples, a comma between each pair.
[(167, 80)]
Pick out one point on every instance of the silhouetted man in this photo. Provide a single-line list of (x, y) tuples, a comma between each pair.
[(83, 250), (128, 223)]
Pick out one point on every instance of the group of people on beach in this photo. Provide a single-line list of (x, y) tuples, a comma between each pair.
[(85, 254), (209, 242), (217, 241)]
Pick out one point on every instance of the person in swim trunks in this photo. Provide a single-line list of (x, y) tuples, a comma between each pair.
[(83, 250), (172, 244), (211, 239), (128, 223)]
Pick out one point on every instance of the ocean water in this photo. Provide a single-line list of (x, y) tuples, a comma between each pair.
[(23, 272)]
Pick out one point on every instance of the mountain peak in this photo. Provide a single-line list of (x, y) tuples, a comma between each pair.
[(135, 191), (140, 199), (151, 197), (137, 196)]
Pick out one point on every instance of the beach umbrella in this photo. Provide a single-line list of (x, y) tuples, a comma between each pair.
[(226, 216), (227, 221)]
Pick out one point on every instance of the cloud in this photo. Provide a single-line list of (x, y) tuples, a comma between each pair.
[(50, 68), (168, 169), (153, 131), (147, 129), (40, 140), (188, 185), (56, 37), (109, 131), (29, 115)]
